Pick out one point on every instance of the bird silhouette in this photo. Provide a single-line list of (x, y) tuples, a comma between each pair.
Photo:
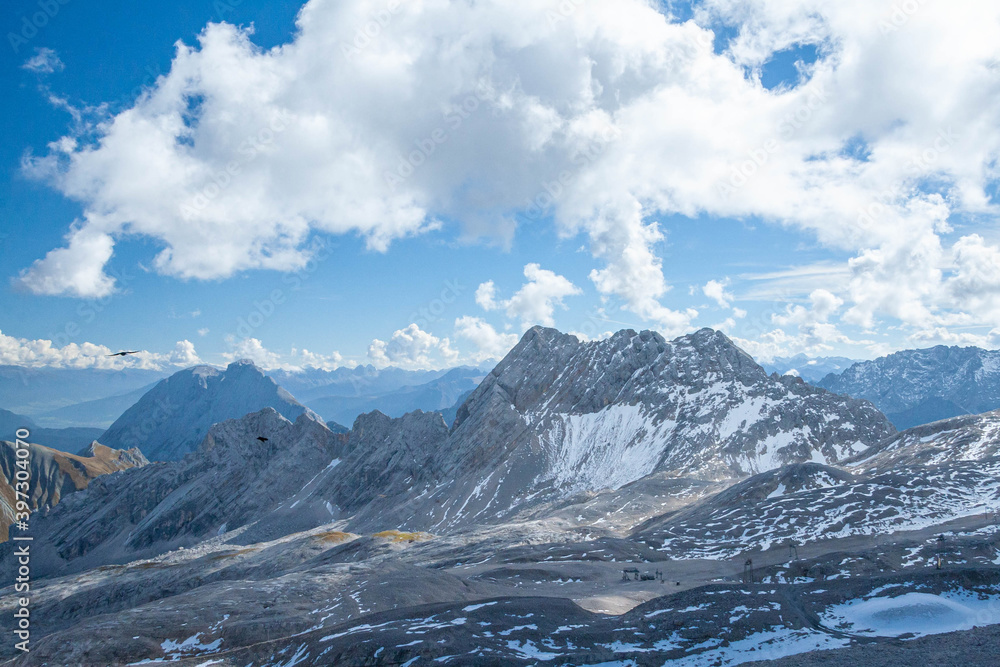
[(262, 438), (124, 353)]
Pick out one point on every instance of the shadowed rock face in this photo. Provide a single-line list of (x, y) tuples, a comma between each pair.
[(55, 474), (173, 418), (387, 458), (915, 387), (234, 479)]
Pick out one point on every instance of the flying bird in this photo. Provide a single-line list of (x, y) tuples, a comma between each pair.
[(262, 438), (124, 353)]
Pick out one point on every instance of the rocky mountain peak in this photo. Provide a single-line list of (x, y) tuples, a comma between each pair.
[(173, 418)]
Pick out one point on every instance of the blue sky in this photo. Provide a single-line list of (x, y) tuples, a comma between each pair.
[(750, 262)]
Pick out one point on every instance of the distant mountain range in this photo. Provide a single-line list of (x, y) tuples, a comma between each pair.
[(99, 413), (36, 391), (810, 369), (169, 421), (911, 388), (71, 439), (916, 387), (440, 394), (51, 398), (312, 383)]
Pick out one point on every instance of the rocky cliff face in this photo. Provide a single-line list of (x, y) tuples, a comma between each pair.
[(54, 474), (173, 418), (233, 480), (915, 387)]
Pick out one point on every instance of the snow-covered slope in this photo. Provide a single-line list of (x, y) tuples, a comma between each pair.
[(969, 438), (173, 417), (736, 521), (915, 387)]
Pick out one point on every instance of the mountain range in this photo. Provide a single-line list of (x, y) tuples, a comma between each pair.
[(555, 419), (70, 439), (810, 369), (441, 394), (338, 395), (762, 513), (98, 413), (36, 391), (916, 387), (365, 380)]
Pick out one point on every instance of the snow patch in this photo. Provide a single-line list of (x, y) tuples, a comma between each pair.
[(915, 614)]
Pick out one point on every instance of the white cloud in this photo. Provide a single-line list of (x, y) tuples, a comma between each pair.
[(770, 345), (536, 300), (942, 336), (254, 350), (412, 348), (76, 270), (587, 338), (45, 61), (606, 119), (298, 360), (815, 334), (184, 354), (725, 326), (41, 352), (823, 305), (327, 362), (486, 296), (633, 271), (716, 290), (489, 343)]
